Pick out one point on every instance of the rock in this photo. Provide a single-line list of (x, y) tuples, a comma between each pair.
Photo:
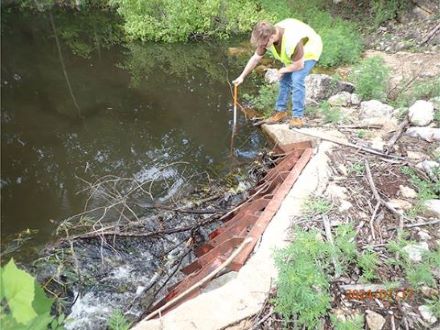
[(400, 204), (429, 134), (435, 102), (375, 321), (407, 192), (345, 206), (432, 208), (272, 76), (428, 292), (415, 251), (336, 193), (342, 99), (430, 167), (374, 108), (377, 143), (415, 155), (421, 113), (322, 86), (423, 235), (355, 99), (427, 315)]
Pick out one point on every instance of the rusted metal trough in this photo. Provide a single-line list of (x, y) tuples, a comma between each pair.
[(250, 219)]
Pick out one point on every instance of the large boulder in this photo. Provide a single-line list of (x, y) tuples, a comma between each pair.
[(342, 99), (321, 86), (375, 109), (429, 134), (421, 113)]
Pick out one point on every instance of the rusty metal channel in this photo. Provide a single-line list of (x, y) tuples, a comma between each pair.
[(249, 220)]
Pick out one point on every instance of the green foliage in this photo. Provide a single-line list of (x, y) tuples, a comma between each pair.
[(351, 323), (302, 283), (171, 21), (26, 305), (384, 10), (357, 168), (426, 189), (371, 78), (304, 267), (368, 262), (118, 321), (317, 205), (417, 274), (265, 99), (330, 114), (422, 90), (361, 133), (434, 306)]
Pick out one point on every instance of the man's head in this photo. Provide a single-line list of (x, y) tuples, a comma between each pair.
[(263, 34)]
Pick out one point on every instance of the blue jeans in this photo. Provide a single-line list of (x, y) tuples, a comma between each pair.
[(294, 83)]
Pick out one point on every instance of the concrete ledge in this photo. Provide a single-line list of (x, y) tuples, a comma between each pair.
[(244, 294)]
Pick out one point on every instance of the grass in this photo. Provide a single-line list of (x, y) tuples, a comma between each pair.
[(317, 205), (350, 323)]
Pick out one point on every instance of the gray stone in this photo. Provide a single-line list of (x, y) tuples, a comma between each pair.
[(429, 134), (400, 204), (322, 86), (272, 76), (421, 113), (415, 251), (375, 321), (430, 167), (342, 99), (432, 208), (355, 99), (407, 192), (374, 108), (427, 314)]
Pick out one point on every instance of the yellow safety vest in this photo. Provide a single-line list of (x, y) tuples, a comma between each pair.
[(294, 32)]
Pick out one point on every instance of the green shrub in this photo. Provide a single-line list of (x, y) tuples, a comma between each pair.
[(118, 321), (370, 77), (317, 205), (384, 10), (368, 262), (303, 286), (264, 101), (178, 20), (422, 90)]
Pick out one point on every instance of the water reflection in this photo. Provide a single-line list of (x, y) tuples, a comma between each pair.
[(137, 107)]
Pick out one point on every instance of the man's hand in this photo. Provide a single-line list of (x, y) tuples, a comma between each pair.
[(238, 81)]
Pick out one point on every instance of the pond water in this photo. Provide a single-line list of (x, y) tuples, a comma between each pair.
[(76, 106)]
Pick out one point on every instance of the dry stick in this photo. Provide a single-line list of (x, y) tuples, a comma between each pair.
[(202, 281), (431, 34), (328, 234), (377, 126), (379, 199), (396, 136), (376, 208), (347, 144), (422, 224)]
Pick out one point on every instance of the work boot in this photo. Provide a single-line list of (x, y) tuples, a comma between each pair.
[(277, 117), (296, 122)]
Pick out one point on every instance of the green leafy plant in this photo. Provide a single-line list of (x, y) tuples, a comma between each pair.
[(361, 133), (384, 10), (350, 323), (317, 205), (330, 114), (118, 321), (368, 262), (24, 304), (371, 78), (357, 168), (302, 283), (421, 90), (434, 306), (264, 101)]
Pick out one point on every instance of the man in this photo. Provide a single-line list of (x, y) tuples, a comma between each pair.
[(298, 47)]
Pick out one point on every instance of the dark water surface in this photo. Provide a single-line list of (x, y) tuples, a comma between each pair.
[(88, 108)]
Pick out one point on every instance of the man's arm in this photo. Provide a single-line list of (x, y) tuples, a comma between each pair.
[(251, 64), (297, 60)]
